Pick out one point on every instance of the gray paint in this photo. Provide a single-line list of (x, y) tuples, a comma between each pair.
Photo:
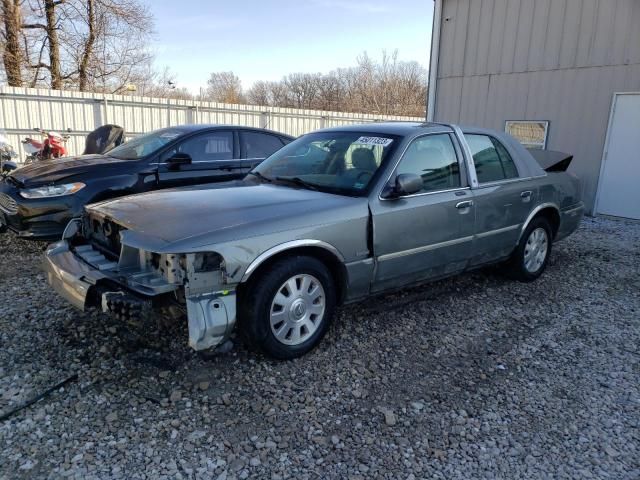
[(379, 242), (556, 60)]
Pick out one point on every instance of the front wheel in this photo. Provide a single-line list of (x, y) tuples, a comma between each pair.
[(530, 257), (286, 310)]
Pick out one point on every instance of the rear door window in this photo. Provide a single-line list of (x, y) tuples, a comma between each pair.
[(491, 159), (260, 145)]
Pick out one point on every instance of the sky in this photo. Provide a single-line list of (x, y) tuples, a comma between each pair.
[(265, 40)]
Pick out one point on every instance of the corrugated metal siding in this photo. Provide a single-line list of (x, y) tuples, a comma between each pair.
[(480, 37), (22, 109), (556, 60)]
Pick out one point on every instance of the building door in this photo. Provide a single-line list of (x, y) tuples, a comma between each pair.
[(618, 192)]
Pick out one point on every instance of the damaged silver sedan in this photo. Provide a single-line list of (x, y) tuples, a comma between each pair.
[(335, 216)]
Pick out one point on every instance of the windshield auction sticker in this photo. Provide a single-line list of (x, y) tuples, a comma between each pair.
[(375, 141)]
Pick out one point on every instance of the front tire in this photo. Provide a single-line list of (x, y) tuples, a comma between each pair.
[(286, 310), (530, 257)]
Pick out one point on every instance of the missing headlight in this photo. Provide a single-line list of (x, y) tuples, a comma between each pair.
[(155, 260), (207, 262)]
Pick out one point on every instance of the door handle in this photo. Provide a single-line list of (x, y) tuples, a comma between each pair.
[(465, 204), (526, 196)]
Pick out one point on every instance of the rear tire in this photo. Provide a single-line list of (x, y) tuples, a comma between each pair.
[(286, 310), (530, 257)]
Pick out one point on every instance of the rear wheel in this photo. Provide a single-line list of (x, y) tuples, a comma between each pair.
[(530, 257), (286, 310)]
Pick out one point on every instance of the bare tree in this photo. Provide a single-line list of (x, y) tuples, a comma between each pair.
[(388, 86), (224, 87), (258, 94), (12, 55), (89, 44), (303, 88), (54, 46), (153, 83), (98, 45), (50, 27), (111, 37)]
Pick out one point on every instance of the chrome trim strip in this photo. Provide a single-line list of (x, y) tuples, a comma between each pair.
[(426, 193), (455, 241), (488, 233), (206, 161), (287, 246), (510, 180), (425, 248), (7, 204), (574, 209)]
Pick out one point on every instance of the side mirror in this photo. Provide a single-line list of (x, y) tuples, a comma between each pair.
[(406, 184), (178, 159)]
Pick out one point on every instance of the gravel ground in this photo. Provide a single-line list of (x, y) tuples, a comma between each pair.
[(472, 377)]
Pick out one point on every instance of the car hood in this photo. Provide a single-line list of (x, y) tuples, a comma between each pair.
[(205, 216), (54, 171)]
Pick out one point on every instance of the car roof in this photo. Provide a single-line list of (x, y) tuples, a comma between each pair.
[(196, 127), (391, 128)]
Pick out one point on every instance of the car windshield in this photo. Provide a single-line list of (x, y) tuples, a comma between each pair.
[(336, 162), (144, 145)]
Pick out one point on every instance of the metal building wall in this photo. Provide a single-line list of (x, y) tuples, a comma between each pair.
[(556, 60), (22, 109)]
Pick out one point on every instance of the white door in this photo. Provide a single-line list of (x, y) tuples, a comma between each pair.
[(619, 186)]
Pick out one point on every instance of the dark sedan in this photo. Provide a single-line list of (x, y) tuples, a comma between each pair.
[(37, 201)]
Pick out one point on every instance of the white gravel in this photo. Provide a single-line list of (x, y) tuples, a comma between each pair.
[(472, 377)]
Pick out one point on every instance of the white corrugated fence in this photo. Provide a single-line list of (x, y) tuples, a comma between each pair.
[(23, 109)]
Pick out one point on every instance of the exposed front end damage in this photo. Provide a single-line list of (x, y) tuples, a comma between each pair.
[(93, 266)]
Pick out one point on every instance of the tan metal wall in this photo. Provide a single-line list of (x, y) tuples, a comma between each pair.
[(22, 109), (556, 60)]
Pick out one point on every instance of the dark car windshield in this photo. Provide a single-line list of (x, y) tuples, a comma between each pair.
[(146, 144), (337, 162)]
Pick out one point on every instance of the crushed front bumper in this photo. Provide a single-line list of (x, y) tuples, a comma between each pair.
[(211, 316), (71, 278)]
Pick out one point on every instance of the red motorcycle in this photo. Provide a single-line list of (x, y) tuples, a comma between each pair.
[(53, 145)]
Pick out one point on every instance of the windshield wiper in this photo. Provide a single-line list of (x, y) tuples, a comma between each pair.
[(298, 181), (261, 177)]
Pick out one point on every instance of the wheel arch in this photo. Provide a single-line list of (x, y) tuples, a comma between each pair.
[(325, 252), (550, 211)]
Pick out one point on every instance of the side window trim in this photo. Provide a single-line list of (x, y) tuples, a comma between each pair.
[(497, 142), (462, 167), (236, 145), (490, 138)]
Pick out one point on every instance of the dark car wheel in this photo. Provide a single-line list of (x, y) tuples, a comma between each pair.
[(286, 310), (530, 257)]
